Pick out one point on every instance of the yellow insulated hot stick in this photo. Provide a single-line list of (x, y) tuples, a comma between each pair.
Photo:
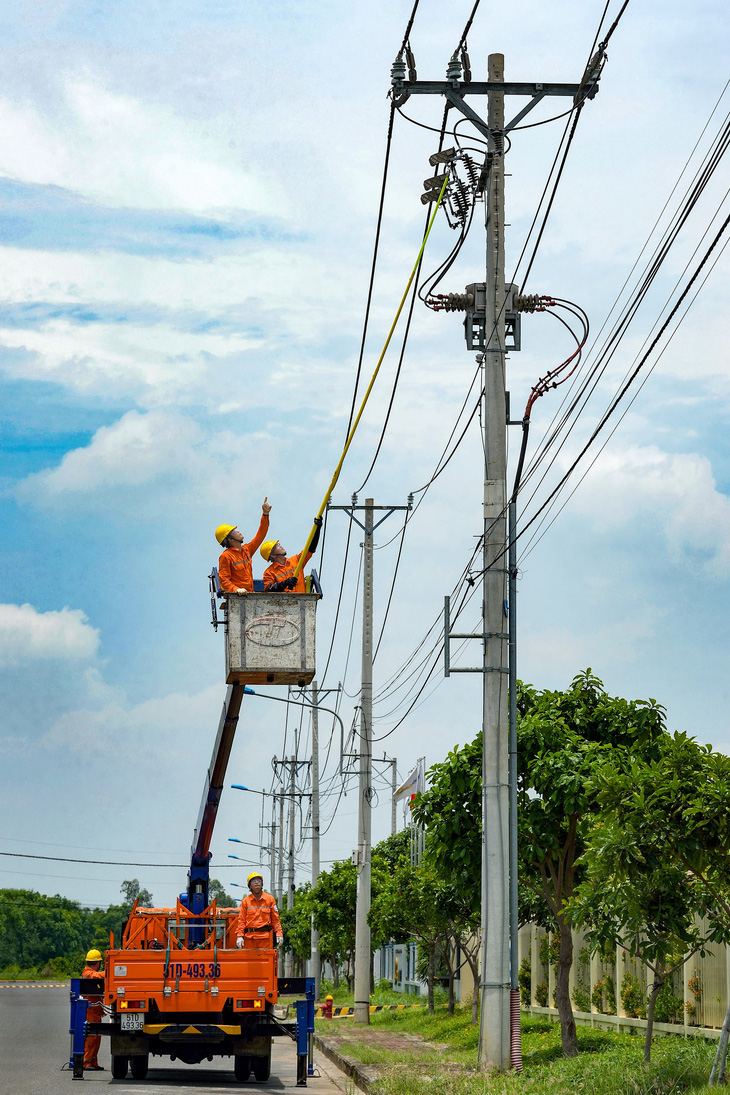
[(351, 434)]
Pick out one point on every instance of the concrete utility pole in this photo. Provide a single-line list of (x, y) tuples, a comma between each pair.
[(362, 928), (393, 789), (289, 960), (315, 968), (494, 1028), (280, 855), (270, 829), (485, 327), (364, 812)]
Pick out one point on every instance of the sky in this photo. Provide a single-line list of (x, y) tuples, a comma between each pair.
[(188, 200)]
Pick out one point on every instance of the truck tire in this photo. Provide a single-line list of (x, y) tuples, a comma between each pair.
[(139, 1066), (241, 1067), (119, 1067), (261, 1068)]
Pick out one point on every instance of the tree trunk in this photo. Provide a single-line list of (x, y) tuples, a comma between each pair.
[(568, 1033), (335, 972), (655, 990), (717, 1076), (474, 967), (451, 961), (431, 974)]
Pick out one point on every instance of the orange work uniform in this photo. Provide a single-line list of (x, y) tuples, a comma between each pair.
[(93, 1015), (278, 572), (258, 912), (234, 565)]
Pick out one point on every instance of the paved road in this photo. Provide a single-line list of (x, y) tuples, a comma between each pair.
[(34, 1049)]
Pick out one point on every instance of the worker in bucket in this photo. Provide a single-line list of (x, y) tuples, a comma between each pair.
[(234, 566), (279, 575), (258, 917), (93, 1013)]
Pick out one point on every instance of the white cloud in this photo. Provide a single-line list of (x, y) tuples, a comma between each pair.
[(125, 152), (133, 451), (28, 635), (146, 726), (148, 460), (675, 491)]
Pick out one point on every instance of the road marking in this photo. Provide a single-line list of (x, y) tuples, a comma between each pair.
[(35, 985)]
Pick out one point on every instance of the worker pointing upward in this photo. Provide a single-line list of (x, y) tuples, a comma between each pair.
[(234, 566), (279, 575)]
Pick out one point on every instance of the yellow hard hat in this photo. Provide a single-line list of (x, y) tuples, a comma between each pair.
[(222, 531), (267, 547), (93, 956), (255, 874)]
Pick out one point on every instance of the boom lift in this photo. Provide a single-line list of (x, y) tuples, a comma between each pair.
[(176, 985)]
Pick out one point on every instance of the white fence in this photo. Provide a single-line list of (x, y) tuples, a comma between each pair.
[(608, 990)]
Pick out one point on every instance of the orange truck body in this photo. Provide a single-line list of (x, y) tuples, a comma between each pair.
[(190, 1001)]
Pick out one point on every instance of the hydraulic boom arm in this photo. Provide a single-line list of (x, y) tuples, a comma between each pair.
[(196, 898)]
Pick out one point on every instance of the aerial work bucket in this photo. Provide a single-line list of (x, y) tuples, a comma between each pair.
[(270, 638)]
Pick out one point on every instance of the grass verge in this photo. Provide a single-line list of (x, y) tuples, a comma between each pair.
[(608, 1064)]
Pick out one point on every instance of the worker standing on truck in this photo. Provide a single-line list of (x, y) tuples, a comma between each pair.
[(279, 576), (234, 566), (93, 1013), (258, 917)]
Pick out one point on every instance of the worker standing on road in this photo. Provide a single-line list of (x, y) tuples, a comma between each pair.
[(93, 1013), (279, 576), (234, 566), (258, 917)]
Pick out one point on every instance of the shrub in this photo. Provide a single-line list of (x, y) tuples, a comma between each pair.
[(549, 950), (633, 996), (582, 997), (541, 995), (603, 996), (524, 979), (384, 984), (668, 1006)]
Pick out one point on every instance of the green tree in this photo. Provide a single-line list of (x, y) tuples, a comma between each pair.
[(36, 929), (648, 906), (413, 901), (333, 905), (677, 807), (223, 900), (132, 892), (562, 738)]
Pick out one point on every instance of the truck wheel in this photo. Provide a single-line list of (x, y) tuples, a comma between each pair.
[(261, 1068), (139, 1066), (119, 1067), (241, 1067)]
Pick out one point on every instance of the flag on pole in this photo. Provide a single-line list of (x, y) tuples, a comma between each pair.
[(408, 784), (409, 788)]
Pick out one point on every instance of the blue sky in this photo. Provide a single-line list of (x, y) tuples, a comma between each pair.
[(188, 196)]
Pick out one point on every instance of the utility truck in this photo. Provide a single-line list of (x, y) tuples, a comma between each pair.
[(175, 985)]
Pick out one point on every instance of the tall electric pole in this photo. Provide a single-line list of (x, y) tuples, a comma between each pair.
[(486, 327), (365, 754), (393, 789), (280, 853), (364, 811), (494, 988), (289, 960), (315, 965)]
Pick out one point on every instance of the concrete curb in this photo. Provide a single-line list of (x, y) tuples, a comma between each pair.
[(362, 1076)]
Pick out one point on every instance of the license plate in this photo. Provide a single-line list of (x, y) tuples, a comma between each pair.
[(133, 1022)]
